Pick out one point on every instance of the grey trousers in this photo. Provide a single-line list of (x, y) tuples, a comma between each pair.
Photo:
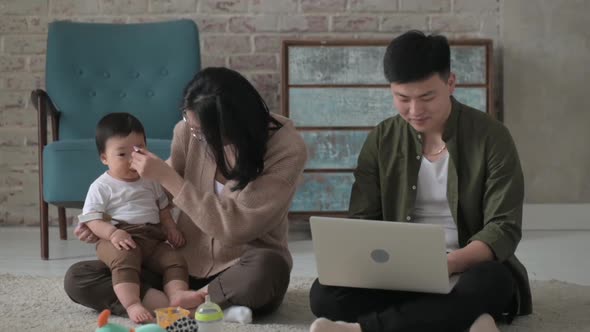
[(259, 281)]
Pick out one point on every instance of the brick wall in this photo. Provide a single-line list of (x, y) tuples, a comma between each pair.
[(241, 34)]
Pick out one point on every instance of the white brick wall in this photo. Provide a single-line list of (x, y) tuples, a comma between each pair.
[(242, 34)]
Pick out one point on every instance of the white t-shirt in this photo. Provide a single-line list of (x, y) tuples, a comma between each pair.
[(137, 202), (432, 206), (218, 187)]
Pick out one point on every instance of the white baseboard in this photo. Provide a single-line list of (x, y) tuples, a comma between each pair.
[(556, 217)]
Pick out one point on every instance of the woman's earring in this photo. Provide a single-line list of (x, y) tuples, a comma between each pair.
[(199, 135)]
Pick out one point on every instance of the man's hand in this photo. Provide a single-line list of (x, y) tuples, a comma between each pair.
[(84, 234), (452, 265), (175, 237), (122, 240), (463, 259)]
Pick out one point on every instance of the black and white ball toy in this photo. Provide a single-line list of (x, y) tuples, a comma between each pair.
[(184, 324)]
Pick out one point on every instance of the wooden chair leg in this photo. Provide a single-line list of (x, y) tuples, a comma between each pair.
[(44, 216), (63, 227)]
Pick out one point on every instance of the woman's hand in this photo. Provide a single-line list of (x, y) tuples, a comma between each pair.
[(149, 166), (84, 234), (175, 237)]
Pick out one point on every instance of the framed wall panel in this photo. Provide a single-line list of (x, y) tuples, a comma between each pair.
[(323, 192), (335, 92), (333, 149), (354, 107)]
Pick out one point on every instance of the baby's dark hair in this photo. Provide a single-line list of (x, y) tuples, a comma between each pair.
[(116, 125)]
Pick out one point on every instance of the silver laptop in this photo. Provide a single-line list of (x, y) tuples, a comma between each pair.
[(381, 255)]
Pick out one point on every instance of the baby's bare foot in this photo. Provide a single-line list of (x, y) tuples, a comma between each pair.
[(326, 325), (138, 314), (485, 323), (187, 299)]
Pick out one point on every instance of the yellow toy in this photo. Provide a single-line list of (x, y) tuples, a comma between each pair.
[(167, 316)]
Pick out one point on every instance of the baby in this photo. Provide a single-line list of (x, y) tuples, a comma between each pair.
[(132, 218)]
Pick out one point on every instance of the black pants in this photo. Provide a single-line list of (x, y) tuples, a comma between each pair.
[(259, 280), (485, 288)]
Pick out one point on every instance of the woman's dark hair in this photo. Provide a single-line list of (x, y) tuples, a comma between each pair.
[(116, 125), (230, 110), (414, 56)]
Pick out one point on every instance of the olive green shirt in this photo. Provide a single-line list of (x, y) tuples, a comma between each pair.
[(485, 187)]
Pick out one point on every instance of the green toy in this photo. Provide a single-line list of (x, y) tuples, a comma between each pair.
[(105, 326)]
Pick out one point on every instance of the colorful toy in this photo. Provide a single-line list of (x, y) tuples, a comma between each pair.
[(184, 324), (176, 319), (105, 326), (167, 316)]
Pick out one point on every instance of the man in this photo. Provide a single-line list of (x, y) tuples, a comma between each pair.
[(440, 162)]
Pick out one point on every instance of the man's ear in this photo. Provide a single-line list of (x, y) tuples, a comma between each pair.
[(103, 159), (451, 82)]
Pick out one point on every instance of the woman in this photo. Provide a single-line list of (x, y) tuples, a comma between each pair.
[(232, 172)]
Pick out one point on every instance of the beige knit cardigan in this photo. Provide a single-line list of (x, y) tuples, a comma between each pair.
[(218, 229)]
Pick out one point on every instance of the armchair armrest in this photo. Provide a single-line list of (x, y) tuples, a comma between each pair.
[(44, 106)]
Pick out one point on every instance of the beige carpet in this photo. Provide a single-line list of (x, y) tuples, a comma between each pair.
[(40, 304)]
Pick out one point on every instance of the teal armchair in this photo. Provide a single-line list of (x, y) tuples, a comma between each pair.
[(93, 69)]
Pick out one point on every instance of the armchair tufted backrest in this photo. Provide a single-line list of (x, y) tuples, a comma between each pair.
[(93, 69)]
